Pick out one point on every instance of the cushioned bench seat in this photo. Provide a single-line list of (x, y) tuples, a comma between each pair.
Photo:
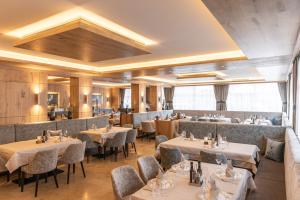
[(7, 134), (32, 130)]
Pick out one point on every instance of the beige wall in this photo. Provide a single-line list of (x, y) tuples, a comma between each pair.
[(17, 96), (64, 93)]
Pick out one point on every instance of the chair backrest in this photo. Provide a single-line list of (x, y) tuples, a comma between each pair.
[(54, 132), (74, 153), (43, 161), (118, 140), (131, 136), (125, 181), (148, 127), (159, 139), (169, 157), (89, 142), (148, 168), (209, 157)]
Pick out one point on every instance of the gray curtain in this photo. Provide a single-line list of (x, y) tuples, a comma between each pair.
[(122, 96), (282, 87), (221, 93), (169, 94)]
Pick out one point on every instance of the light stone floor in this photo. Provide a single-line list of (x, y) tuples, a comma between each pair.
[(97, 184)]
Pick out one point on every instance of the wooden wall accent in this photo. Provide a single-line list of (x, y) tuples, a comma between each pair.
[(63, 91), (17, 91), (115, 98), (79, 87), (135, 97), (153, 102)]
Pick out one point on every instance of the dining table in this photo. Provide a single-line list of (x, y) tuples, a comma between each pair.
[(243, 155), (100, 135), (17, 154), (233, 188)]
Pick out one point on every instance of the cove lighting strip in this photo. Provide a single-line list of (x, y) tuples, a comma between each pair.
[(155, 63), (109, 84), (75, 14)]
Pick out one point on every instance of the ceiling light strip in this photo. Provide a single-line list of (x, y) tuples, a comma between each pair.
[(177, 61), (155, 63), (75, 14), (47, 61)]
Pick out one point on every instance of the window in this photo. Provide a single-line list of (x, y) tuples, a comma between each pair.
[(262, 97), (127, 98), (194, 98)]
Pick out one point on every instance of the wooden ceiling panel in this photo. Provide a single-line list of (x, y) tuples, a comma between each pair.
[(82, 41)]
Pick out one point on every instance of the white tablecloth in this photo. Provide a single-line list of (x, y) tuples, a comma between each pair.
[(182, 190), (245, 155), (100, 135), (18, 154)]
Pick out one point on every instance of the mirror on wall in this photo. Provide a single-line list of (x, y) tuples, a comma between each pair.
[(97, 101)]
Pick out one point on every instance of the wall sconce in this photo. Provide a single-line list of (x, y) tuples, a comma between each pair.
[(107, 99), (36, 99), (85, 99), (142, 98), (159, 99)]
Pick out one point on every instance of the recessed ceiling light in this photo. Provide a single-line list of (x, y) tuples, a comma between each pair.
[(75, 14), (54, 77)]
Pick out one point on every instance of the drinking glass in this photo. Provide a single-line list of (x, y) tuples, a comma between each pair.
[(66, 133), (183, 134)]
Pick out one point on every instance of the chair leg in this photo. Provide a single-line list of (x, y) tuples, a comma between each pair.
[(124, 151), (36, 184), (7, 177), (127, 149), (99, 151), (104, 150), (19, 176), (55, 178), (73, 168), (68, 177), (116, 153), (22, 181), (82, 169), (133, 144), (46, 177)]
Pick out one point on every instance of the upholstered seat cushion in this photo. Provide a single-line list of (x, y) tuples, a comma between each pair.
[(32, 130), (274, 150), (7, 134)]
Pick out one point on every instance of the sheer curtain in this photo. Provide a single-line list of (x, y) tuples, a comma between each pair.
[(263, 97), (194, 98), (127, 98)]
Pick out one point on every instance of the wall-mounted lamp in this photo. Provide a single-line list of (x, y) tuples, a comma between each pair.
[(142, 98), (36, 99), (159, 99), (85, 99), (107, 99)]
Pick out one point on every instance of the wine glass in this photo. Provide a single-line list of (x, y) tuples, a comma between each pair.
[(66, 133)]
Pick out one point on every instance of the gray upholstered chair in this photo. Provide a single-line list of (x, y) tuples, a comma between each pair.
[(209, 157), (3, 170), (42, 163), (125, 182), (114, 143), (72, 155), (148, 168), (159, 139), (130, 139), (148, 129), (169, 157), (236, 120), (91, 147)]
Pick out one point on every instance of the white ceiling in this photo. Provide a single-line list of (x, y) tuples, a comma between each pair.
[(181, 28)]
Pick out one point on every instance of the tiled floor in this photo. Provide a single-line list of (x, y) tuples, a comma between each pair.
[(97, 185)]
